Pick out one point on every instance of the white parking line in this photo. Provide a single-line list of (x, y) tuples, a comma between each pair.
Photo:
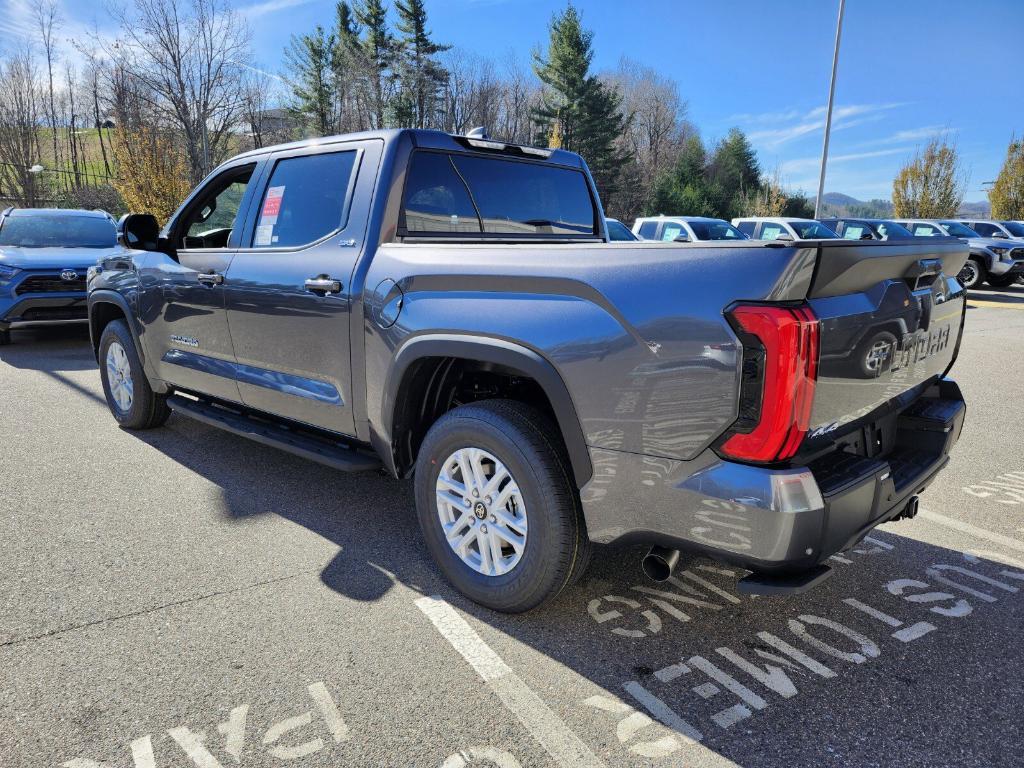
[(558, 740), (973, 530)]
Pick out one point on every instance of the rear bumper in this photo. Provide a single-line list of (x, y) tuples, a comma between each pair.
[(775, 521)]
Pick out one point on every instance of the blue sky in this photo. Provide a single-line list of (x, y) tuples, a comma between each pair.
[(907, 68)]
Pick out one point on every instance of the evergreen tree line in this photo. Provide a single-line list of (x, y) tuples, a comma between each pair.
[(630, 124)]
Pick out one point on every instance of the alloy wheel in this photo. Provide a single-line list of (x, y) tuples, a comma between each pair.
[(968, 276), (119, 377), (482, 511)]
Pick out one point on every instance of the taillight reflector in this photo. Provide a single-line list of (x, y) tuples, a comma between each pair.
[(790, 339)]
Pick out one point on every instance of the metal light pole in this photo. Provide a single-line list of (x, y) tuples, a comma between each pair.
[(828, 114)]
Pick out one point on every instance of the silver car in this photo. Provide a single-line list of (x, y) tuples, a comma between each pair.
[(685, 229), (997, 261)]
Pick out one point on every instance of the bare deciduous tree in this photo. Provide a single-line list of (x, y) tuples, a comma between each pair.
[(20, 99), (189, 54)]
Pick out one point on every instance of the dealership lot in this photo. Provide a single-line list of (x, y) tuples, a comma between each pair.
[(185, 597)]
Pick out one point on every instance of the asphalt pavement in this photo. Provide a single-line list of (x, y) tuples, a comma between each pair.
[(185, 597)]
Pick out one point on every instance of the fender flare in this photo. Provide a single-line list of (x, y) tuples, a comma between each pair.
[(987, 259), (106, 296), (498, 352)]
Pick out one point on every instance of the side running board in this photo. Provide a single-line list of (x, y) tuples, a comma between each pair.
[(308, 446)]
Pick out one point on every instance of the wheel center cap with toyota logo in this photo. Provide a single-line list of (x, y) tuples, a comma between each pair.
[(480, 510), (69, 275)]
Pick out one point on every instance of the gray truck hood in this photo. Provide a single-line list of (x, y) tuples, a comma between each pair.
[(994, 242), (52, 258)]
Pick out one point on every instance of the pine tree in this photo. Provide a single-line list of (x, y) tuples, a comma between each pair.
[(585, 111), (310, 62), (422, 74), (733, 174), (349, 69), (683, 190), (1007, 194), (378, 49)]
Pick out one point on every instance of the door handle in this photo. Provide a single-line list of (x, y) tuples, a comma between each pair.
[(210, 278), (323, 284)]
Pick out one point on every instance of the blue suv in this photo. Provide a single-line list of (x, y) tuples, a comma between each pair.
[(44, 255)]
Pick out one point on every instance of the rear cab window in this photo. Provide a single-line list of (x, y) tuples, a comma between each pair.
[(480, 197)]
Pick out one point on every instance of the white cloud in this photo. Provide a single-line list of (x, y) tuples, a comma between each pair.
[(269, 6), (804, 164), (813, 121)]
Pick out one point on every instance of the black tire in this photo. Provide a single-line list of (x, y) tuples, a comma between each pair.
[(875, 353), (973, 274), (557, 549), (5, 338), (1002, 281), (147, 409)]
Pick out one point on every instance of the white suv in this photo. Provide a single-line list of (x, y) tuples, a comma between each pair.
[(783, 227), (685, 229)]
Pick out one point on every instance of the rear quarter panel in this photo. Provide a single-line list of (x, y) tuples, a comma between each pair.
[(635, 330)]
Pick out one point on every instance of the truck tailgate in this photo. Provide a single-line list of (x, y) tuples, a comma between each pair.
[(891, 316)]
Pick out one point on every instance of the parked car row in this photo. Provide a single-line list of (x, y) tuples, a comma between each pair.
[(996, 247)]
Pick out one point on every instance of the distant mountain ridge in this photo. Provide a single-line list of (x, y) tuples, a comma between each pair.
[(839, 204)]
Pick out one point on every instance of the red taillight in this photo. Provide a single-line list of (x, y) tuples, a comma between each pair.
[(790, 339)]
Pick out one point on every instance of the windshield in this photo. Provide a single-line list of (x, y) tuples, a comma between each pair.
[(617, 231), (57, 231), (1015, 228), (716, 230), (812, 230), (890, 229), (956, 229)]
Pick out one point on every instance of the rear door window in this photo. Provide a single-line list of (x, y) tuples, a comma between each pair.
[(926, 230), (771, 231), (304, 199), (856, 232), (648, 230), (454, 194), (671, 231)]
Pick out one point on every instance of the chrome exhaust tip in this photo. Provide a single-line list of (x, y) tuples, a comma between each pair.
[(659, 563)]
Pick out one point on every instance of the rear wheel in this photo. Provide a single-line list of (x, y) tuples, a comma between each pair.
[(131, 400), (497, 506), (972, 275)]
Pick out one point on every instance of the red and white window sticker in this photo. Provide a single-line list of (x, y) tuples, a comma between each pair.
[(268, 216)]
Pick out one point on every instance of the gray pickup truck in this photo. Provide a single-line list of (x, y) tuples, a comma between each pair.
[(449, 308)]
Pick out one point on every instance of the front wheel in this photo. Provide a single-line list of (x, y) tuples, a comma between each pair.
[(131, 400), (497, 506), (972, 275)]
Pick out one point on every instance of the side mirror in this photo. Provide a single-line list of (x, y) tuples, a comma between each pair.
[(139, 231), (682, 237), (1000, 234)]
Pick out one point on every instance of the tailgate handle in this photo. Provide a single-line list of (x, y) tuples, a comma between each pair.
[(923, 268)]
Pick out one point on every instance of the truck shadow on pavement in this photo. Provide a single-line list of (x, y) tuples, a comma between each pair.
[(60, 348), (909, 655)]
